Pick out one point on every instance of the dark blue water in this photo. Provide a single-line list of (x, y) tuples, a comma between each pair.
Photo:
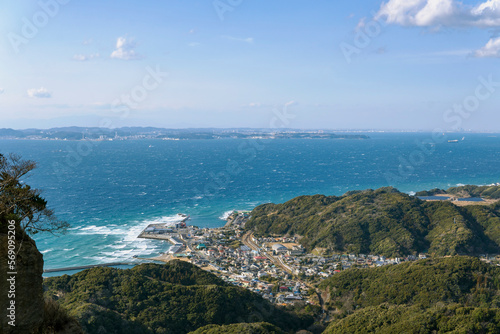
[(471, 199), (109, 191), (434, 198)]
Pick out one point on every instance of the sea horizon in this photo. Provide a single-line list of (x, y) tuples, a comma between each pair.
[(111, 191)]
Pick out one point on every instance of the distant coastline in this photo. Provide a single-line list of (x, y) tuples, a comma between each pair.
[(137, 133)]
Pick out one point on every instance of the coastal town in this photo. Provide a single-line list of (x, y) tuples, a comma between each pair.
[(278, 268)]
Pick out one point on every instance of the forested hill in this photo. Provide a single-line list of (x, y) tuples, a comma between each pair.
[(384, 222), (242, 328), (174, 298), (443, 295)]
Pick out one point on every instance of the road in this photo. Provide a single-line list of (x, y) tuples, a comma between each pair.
[(247, 240)]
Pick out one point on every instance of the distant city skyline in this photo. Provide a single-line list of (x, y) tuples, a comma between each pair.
[(387, 65)]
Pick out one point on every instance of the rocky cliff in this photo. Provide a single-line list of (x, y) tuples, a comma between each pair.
[(29, 302)]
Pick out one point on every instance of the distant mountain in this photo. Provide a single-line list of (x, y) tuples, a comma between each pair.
[(174, 298), (445, 295), (96, 133), (383, 222), (12, 133)]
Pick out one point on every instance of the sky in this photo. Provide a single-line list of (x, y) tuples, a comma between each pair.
[(366, 64)]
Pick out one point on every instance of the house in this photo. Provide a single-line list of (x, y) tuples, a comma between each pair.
[(261, 274), (296, 251), (292, 298), (244, 249), (279, 249), (211, 252)]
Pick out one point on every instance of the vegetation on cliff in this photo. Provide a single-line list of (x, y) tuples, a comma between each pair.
[(20, 202), (384, 221), (22, 212)]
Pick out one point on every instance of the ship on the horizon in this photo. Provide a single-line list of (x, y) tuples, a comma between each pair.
[(455, 140)]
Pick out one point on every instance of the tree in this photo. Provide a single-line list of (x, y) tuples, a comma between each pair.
[(20, 202)]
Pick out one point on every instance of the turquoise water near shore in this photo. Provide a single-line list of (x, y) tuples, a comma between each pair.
[(109, 191)]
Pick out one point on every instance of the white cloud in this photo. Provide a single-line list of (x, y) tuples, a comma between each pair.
[(88, 41), (488, 6), (80, 57), (291, 103), (40, 93), (194, 44), (436, 13), (125, 50), (248, 40), (491, 49), (361, 24), (446, 13), (1, 91)]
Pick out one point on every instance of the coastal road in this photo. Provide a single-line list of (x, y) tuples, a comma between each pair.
[(247, 240)]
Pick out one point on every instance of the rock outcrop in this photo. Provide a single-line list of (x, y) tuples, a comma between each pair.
[(29, 302)]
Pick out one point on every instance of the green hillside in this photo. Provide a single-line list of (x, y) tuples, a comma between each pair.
[(173, 298), (458, 279), (445, 295), (383, 221), (392, 319), (255, 328)]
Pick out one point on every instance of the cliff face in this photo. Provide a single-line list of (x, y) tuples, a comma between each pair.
[(29, 302)]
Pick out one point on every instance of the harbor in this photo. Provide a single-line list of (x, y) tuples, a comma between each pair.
[(277, 268)]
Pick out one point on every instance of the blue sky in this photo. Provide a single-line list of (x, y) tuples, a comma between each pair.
[(238, 63)]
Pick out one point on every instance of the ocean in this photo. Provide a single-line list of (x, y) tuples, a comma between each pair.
[(109, 191)]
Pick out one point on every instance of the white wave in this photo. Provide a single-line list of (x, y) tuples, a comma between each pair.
[(143, 248), (118, 246), (99, 230), (126, 245), (226, 214), (100, 259), (68, 249), (46, 251)]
